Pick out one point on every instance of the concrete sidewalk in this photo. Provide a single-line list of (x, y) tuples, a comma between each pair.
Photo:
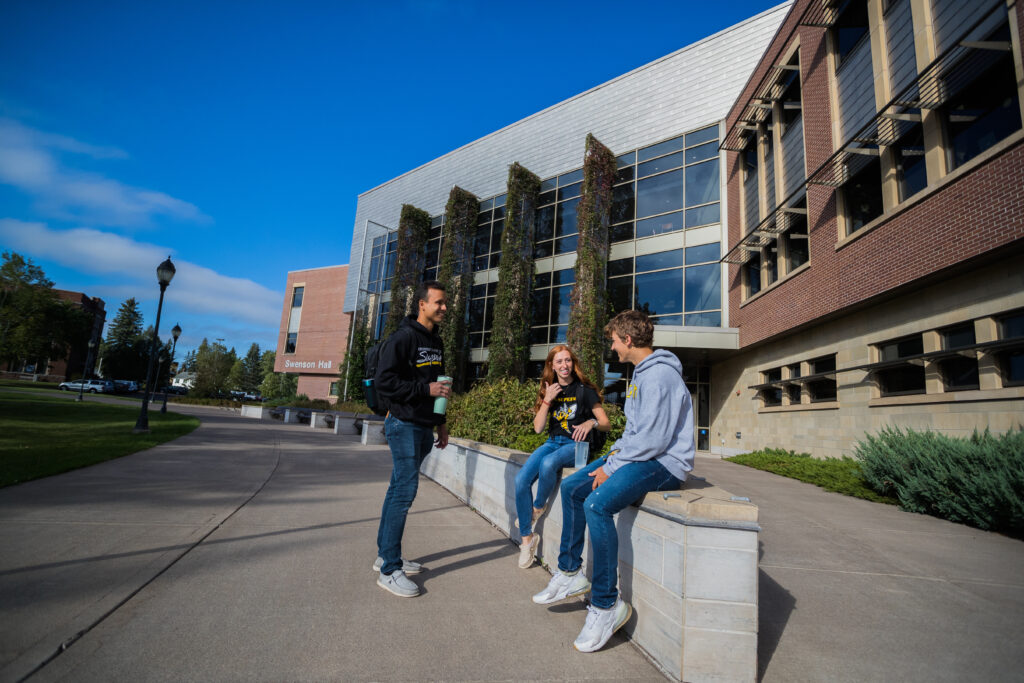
[(242, 552), (856, 591)]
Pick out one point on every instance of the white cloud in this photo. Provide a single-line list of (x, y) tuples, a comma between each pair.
[(196, 288), (29, 162)]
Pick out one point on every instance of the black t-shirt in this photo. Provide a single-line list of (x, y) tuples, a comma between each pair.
[(564, 414)]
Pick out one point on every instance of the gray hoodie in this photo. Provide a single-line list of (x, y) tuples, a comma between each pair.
[(659, 418)]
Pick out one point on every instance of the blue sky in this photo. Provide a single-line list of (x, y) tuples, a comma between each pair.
[(236, 136)]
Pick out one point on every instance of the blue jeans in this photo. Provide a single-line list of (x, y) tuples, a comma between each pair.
[(583, 506), (542, 466), (410, 444)]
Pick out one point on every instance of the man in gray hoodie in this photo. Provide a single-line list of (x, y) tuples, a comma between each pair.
[(654, 454)]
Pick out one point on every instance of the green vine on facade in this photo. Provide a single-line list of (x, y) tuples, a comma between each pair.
[(456, 274), (510, 337), (588, 313), (354, 370), (410, 260)]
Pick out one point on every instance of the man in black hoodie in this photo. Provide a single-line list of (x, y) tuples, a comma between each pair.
[(407, 370)]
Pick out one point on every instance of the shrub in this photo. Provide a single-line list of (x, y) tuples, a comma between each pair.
[(977, 481), (500, 413), (840, 475)]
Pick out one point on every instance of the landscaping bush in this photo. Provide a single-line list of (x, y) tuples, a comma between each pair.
[(977, 481), (500, 413), (840, 475)]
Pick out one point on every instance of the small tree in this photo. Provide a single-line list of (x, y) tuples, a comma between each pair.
[(510, 341), (252, 370), (410, 259)]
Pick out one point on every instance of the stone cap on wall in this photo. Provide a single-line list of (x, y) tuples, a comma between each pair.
[(698, 503)]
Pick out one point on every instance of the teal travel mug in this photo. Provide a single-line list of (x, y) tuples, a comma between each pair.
[(441, 403)]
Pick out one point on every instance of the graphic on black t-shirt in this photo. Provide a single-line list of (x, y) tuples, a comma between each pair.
[(565, 411)]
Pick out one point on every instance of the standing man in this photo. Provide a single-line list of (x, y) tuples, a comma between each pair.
[(654, 454), (410, 362)]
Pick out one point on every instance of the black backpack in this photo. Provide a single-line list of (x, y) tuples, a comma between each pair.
[(377, 403), (596, 437)]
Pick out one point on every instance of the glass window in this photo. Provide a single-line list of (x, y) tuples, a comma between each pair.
[(565, 223), (620, 232), (623, 202), (566, 245), (703, 215), (566, 276), (297, 296), (708, 319), (659, 194), (622, 266), (667, 147), (660, 164), (703, 287), (984, 112), (663, 259), (660, 293), (570, 177), (669, 222), (703, 135), (620, 293), (863, 194), (703, 253), (702, 183), (545, 227), (702, 152)]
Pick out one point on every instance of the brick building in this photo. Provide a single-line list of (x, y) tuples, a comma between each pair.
[(875, 200), (313, 335)]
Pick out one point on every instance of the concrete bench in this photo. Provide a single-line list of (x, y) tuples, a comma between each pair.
[(688, 560)]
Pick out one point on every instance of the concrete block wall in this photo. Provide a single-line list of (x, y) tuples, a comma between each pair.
[(688, 565)]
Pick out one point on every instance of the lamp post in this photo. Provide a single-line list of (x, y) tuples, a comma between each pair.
[(85, 370), (164, 274), (175, 332)]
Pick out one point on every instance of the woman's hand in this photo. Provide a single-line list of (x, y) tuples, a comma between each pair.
[(580, 431), (551, 391)]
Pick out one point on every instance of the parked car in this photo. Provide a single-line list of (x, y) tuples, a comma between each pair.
[(128, 386), (91, 386)]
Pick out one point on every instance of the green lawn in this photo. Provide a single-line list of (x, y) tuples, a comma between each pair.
[(41, 436), (832, 474)]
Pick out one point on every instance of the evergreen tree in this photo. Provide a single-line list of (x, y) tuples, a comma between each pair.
[(252, 370), (126, 326)]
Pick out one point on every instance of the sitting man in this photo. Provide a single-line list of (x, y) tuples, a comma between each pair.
[(654, 454)]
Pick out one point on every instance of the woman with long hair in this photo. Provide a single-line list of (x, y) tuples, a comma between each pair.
[(570, 406)]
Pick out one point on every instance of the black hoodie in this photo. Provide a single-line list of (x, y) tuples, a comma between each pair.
[(409, 361)]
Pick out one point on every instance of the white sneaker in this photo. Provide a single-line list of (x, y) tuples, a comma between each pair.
[(527, 551), (562, 587), (399, 584), (601, 624), (408, 566)]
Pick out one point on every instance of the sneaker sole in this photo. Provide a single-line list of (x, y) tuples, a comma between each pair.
[(394, 592), (570, 596), (629, 613)]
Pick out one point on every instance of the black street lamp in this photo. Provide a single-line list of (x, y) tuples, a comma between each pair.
[(85, 370), (164, 274), (175, 332)]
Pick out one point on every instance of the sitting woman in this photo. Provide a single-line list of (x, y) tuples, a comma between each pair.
[(570, 405)]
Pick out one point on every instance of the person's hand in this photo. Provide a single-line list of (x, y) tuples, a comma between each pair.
[(442, 435), (551, 391), (440, 389), (599, 476), (580, 431)]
